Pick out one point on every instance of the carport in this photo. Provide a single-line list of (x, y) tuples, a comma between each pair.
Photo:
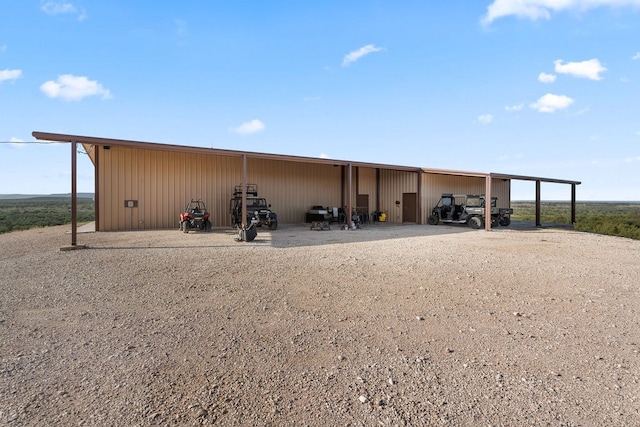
[(387, 184), (538, 196)]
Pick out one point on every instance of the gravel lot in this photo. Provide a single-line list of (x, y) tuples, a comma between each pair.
[(382, 326)]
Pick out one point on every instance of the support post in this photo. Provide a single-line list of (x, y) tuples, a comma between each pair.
[(74, 201), (538, 223), (244, 192), (573, 204), (349, 195), (74, 198), (487, 203)]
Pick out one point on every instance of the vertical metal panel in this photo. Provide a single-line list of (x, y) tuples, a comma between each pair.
[(293, 187), (163, 182), (393, 184), (434, 185), (501, 188), (367, 185)]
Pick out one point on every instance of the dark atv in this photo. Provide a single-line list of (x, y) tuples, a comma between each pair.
[(258, 211), (468, 209), (195, 216)]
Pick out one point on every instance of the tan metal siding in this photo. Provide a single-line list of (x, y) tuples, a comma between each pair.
[(367, 185), (292, 187), (501, 188), (392, 185), (162, 182), (434, 185)]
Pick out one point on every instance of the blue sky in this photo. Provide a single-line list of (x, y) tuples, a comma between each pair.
[(546, 88)]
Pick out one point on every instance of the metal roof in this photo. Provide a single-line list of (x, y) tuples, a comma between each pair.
[(47, 136)]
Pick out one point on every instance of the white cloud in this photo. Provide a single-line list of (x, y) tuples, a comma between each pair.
[(542, 9), (357, 54), (57, 8), (636, 56), (53, 8), (248, 128), (549, 103), (324, 156), (485, 119), (516, 107), (10, 75), (590, 69), (546, 78), (73, 88), (632, 159)]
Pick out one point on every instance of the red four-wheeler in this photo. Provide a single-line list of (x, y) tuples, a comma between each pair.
[(195, 216)]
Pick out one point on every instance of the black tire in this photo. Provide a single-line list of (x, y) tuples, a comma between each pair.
[(505, 221), (475, 222), (180, 225), (273, 225), (207, 226), (433, 220), (185, 226), (250, 233)]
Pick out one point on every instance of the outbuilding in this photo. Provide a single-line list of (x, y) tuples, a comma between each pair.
[(144, 185)]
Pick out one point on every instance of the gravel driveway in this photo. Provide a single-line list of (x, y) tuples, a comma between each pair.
[(382, 326)]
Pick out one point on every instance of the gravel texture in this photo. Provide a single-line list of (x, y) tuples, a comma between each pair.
[(389, 325)]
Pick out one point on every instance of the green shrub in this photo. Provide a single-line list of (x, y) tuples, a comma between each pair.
[(23, 214), (611, 218)]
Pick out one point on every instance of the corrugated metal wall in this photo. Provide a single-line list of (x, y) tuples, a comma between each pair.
[(162, 182), (393, 184), (292, 188), (434, 185)]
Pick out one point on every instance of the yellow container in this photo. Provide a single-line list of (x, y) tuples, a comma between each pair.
[(382, 217)]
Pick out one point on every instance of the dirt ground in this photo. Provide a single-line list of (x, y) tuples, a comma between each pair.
[(382, 326)]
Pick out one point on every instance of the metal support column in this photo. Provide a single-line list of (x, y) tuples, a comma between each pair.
[(348, 213), (573, 204), (538, 223), (74, 198), (487, 203)]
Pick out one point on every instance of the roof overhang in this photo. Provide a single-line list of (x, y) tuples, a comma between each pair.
[(533, 178), (95, 141), (89, 140)]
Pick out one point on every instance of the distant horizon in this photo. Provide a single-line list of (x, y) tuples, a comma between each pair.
[(88, 194)]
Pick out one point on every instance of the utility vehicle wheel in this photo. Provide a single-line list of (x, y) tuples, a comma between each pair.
[(505, 221), (185, 226), (475, 222), (180, 225), (273, 225), (207, 226), (433, 220), (250, 233)]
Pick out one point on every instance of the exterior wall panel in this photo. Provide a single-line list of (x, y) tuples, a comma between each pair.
[(163, 181), (293, 187), (393, 184), (367, 185), (434, 185)]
